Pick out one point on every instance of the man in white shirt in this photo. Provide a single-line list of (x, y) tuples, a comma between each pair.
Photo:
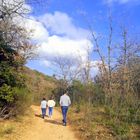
[(43, 107), (65, 103)]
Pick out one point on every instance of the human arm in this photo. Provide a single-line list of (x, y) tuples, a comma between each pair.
[(60, 102), (54, 103), (69, 101)]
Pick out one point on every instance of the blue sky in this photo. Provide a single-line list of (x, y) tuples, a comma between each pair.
[(61, 26), (127, 11)]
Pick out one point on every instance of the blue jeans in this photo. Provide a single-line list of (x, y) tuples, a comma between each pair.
[(43, 112), (64, 113), (50, 111)]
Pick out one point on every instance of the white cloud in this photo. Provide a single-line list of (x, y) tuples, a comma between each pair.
[(46, 63), (57, 36), (61, 24), (39, 31), (57, 46), (35, 28), (72, 44), (66, 39)]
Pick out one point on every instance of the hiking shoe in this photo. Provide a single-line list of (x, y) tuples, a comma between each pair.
[(64, 124)]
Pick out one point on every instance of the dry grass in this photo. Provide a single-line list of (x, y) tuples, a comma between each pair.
[(14, 128), (93, 126), (89, 129)]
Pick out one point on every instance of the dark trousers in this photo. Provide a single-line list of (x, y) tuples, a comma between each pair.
[(50, 111), (43, 112), (64, 113)]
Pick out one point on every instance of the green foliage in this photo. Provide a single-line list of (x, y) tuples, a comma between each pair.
[(6, 94), (77, 92), (120, 128), (119, 112), (91, 93), (23, 100), (57, 92), (11, 80)]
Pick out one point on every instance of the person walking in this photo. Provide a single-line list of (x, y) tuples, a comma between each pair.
[(43, 107), (65, 103), (51, 104)]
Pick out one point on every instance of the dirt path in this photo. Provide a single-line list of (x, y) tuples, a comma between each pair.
[(48, 129)]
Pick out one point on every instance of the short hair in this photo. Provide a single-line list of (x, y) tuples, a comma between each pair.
[(44, 99), (51, 97), (66, 92)]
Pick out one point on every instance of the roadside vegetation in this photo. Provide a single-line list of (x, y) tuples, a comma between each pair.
[(110, 100)]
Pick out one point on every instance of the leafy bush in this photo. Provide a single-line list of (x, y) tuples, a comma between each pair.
[(12, 81)]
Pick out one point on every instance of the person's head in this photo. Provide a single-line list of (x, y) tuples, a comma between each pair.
[(66, 92), (51, 97), (44, 99)]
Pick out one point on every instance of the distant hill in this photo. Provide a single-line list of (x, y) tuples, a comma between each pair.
[(39, 84)]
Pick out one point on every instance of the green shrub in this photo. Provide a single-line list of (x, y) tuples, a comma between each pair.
[(11, 80), (121, 129), (6, 94)]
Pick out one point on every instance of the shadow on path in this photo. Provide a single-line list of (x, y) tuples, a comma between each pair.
[(48, 121), (40, 116), (53, 122)]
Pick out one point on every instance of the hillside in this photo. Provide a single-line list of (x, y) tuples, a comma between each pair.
[(40, 85)]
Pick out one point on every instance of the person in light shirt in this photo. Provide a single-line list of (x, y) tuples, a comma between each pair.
[(51, 104), (65, 103), (43, 107)]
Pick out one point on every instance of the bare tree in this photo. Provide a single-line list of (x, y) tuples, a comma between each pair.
[(109, 55), (67, 69), (13, 8), (14, 35), (87, 66), (105, 66), (128, 50)]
